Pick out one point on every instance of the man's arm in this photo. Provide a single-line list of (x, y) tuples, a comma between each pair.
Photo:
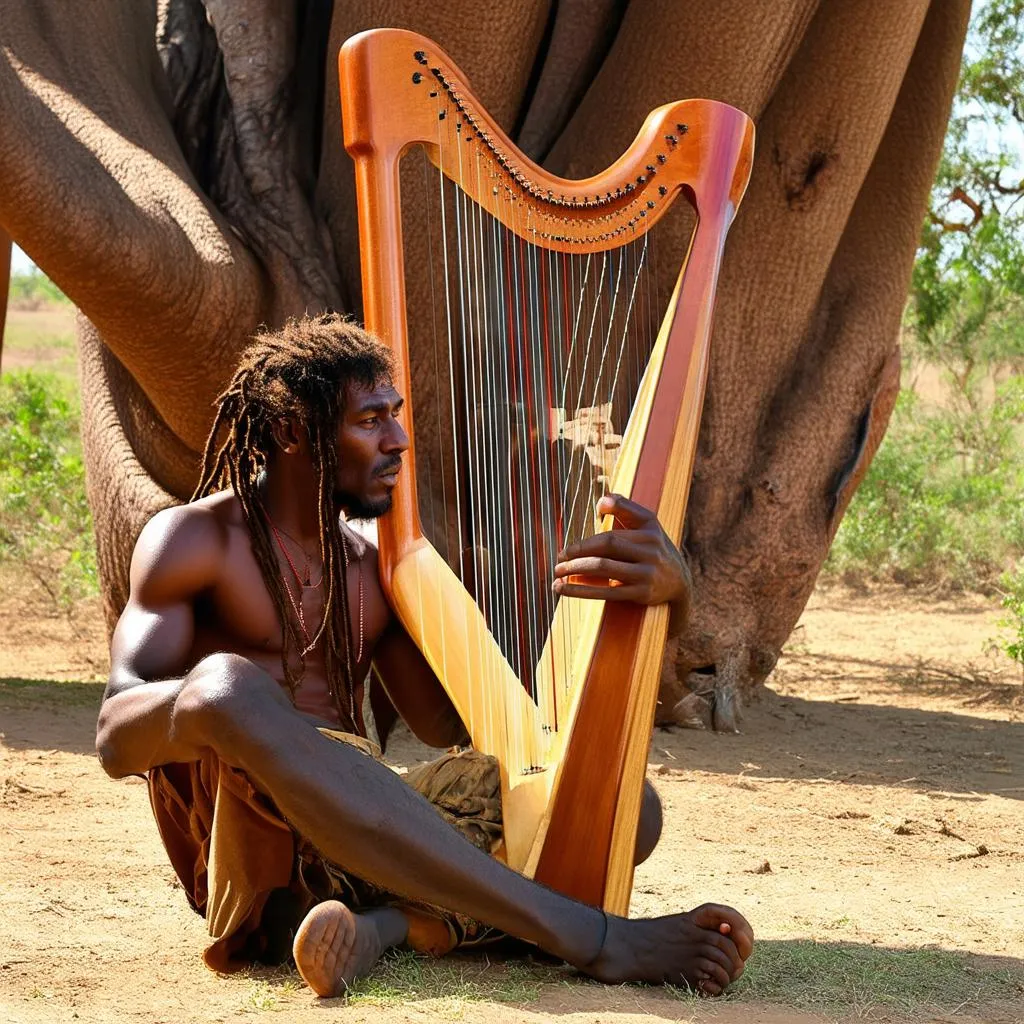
[(177, 557), (415, 691)]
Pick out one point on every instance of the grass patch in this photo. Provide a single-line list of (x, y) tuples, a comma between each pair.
[(404, 976), (42, 339), (271, 995), (448, 985), (827, 977), (842, 976), (20, 693)]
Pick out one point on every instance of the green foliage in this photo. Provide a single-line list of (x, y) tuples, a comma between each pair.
[(45, 524), (1012, 584), (941, 501), (33, 288), (967, 295)]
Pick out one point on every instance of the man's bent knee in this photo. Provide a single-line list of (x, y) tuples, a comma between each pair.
[(223, 689)]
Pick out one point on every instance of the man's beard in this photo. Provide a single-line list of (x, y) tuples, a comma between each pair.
[(356, 508)]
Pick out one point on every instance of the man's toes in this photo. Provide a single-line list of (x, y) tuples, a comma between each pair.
[(713, 971), (728, 947)]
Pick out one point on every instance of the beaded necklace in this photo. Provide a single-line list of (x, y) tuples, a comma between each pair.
[(304, 582)]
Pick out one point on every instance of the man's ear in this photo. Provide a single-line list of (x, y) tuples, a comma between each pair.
[(289, 434)]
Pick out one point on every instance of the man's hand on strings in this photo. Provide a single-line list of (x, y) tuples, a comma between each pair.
[(639, 562)]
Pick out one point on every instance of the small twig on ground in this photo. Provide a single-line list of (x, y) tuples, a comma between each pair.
[(945, 830), (980, 851)]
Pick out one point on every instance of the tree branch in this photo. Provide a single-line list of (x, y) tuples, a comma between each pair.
[(5, 285), (958, 195), (1006, 190), (95, 189), (251, 154)]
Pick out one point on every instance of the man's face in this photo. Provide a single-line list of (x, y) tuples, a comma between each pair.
[(371, 442)]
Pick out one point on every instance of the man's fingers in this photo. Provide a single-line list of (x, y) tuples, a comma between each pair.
[(601, 592), (627, 512), (709, 988), (728, 947), (740, 932), (625, 545), (744, 939), (606, 568)]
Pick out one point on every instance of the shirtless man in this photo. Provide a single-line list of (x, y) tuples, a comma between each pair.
[(255, 614)]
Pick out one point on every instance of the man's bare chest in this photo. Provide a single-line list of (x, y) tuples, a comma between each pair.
[(242, 614)]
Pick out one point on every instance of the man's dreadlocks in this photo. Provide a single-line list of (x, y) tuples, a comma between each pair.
[(300, 371)]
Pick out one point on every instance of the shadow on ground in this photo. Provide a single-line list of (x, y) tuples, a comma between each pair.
[(967, 684), (783, 737), (861, 743), (38, 714)]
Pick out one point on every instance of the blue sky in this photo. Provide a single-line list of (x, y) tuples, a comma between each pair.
[(20, 263)]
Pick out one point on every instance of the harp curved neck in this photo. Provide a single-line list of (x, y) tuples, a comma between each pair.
[(691, 146)]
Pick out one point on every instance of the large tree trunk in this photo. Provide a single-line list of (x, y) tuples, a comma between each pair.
[(5, 285), (179, 172)]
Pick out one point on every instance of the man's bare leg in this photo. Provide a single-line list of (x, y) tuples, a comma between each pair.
[(364, 818), (648, 831), (334, 946)]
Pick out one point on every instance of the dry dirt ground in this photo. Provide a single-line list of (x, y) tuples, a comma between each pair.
[(874, 804)]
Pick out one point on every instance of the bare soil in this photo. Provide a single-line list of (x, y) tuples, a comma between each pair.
[(875, 798)]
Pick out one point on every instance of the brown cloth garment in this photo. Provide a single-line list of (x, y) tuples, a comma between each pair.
[(254, 878)]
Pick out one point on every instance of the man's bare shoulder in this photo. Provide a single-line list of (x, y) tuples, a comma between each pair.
[(182, 548)]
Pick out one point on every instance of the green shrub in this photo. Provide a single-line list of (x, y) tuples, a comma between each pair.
[(941, 502), (45, 524), (33, 288), (1012, 584)]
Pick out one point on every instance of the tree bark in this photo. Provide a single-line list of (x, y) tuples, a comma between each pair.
[(5, 285)]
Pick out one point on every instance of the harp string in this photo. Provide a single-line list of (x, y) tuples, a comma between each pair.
[(543, 355)]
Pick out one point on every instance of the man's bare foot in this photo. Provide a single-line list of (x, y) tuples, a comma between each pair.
[(334, 946), (704, 949)]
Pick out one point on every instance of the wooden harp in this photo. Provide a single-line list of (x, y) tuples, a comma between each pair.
[(561, 692)]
